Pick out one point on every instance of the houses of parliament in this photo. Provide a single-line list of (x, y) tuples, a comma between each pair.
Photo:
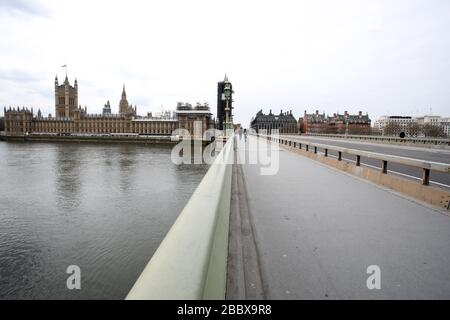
[(70, 118)]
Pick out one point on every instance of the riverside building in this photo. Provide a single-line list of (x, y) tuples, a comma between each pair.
[(71, 119)]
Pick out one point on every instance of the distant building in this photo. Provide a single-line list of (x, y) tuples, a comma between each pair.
[(425, 126), (336, 124), (314, 123), (189, 116), (433, 120), (394, 124), (284, 122), (221, 103), (107, 109), (436, 121), (72, 119), (124, 107), (445, 123), (66, 99)]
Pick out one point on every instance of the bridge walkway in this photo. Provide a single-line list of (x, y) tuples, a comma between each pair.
[(316, 231)]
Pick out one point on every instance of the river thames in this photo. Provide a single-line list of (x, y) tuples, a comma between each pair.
[(102, 207)]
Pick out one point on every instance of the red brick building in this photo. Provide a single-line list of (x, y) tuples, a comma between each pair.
[(336, 124)]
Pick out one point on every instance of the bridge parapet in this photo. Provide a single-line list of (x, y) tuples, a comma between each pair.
[(426, 166), (430, 141), (191, 262)]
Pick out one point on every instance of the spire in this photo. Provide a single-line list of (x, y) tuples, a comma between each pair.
[(226, 78)]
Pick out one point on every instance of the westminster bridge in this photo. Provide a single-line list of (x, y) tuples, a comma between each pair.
[(315, 228)]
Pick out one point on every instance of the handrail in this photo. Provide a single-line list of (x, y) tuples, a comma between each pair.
[(191, 262), (382, 138), (427, 166)]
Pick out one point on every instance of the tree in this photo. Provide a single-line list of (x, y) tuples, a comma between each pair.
[(414, 129), (392, 129), (433, 131)]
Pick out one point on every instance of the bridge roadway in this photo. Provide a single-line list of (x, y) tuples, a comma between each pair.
[(422, 153), (317, 230)]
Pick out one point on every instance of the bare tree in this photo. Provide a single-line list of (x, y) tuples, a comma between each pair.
[(433, 131), (392, 129), (414, 129)]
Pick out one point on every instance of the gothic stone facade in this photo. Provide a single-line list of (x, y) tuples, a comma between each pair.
[(66, 99), (284, 122), (72, 119)]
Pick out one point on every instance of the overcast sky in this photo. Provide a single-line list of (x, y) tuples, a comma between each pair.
[(381, 57)]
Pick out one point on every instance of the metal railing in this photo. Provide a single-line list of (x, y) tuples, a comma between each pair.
[(426, 166), (435, 141)]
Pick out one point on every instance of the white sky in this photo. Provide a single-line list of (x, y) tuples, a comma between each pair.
[(381, 57)]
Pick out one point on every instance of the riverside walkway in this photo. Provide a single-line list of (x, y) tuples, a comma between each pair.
[(316, 230)]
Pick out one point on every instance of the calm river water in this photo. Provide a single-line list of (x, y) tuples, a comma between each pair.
[(102, 207)]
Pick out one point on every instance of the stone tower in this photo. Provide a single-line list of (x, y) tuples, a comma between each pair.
[(124, 107), (107, 108), (66, 99)]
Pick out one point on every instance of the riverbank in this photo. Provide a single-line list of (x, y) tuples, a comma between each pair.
[(94, 139)]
